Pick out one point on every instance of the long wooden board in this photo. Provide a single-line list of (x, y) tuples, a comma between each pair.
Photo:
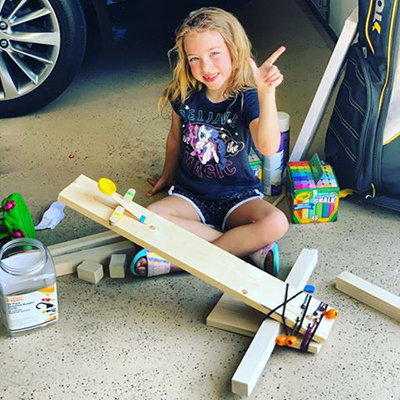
[(198, 257), (325, 89), (84, 243)]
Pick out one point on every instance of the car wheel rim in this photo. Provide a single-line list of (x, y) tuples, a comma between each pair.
[(29, 45)]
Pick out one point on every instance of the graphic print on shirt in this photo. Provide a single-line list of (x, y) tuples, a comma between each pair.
[(207, 143)]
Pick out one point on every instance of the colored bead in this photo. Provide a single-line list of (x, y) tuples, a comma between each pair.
[(281, 340), (142, 219), (309, 288), (291, 341), (331, 314)]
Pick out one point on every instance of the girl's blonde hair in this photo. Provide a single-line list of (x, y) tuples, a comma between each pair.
[(210, 18)]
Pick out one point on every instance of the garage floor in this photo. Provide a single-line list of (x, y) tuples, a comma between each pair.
[(147, 339)]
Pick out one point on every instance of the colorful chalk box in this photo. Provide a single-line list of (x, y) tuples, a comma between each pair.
[(314, 192)]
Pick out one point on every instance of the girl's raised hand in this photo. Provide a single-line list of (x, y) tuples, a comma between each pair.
[(267, 76)]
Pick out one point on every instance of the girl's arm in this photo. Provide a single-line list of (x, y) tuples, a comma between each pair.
[(265, 129), (171, 157)]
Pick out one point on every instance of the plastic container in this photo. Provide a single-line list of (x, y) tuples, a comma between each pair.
[(274, 165), (28, 290)]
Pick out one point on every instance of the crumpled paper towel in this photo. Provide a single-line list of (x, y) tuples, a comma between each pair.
[(52, 217)]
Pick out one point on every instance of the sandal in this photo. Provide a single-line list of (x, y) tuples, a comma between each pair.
[(156, 265), (260, 258)]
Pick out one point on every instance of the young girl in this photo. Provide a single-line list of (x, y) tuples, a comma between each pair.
[(222, 104)]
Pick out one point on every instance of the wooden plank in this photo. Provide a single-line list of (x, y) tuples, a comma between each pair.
[(325, 89), (255, 359), (86, 242), (370, 294), (232, 315), (260, 350), (198, 257), (279, 198), (67, 263)]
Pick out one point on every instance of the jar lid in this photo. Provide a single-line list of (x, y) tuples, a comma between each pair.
[(284, 121)]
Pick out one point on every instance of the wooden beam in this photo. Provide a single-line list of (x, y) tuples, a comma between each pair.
[(67, 263), (232, 315), (198, 257), (325, 89), (279, 198), (372, 295), (259, 352), (86, 242)]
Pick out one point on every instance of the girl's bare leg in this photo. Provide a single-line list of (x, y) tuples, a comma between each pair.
[(250, 227)]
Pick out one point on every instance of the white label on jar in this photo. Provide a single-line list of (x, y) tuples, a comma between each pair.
[(32, 309)]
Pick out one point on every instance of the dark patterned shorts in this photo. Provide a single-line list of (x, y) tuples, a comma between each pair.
[(215, 213)]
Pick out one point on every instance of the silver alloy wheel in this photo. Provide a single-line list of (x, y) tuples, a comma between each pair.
[(29, 45)]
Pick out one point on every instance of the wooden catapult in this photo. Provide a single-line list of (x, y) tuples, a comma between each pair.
[(284, 302), (250, 294)]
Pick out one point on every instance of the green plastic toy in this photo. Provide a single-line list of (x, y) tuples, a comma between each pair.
[(17, 220)]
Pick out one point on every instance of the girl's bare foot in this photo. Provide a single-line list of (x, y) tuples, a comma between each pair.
[(149, 264)]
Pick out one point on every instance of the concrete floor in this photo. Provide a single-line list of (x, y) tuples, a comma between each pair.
[(147, 339)]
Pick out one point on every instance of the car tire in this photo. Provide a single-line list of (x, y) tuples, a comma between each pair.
[(36, 73)]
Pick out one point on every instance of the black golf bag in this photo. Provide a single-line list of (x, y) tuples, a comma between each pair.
[(363, 138)]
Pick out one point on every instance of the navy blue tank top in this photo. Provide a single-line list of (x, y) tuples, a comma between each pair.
[(215, 144)]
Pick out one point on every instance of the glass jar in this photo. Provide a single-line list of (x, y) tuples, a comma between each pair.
[(28, 291)]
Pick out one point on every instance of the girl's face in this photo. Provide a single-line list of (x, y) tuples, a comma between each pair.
[(210, 61)]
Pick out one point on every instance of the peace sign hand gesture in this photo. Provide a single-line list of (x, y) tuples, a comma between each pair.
[(267, 76)]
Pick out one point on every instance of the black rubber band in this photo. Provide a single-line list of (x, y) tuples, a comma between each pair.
[(305, 312), (315, 330), (284, 303), (284, 309)]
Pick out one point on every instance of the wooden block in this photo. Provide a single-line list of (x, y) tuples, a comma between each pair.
[(117, 266), (193, 254), (67, 263), (90, 271), (87, 242), (372, 295)]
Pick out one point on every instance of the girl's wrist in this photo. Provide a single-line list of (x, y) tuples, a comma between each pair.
[(266, 91), (266, 96)]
